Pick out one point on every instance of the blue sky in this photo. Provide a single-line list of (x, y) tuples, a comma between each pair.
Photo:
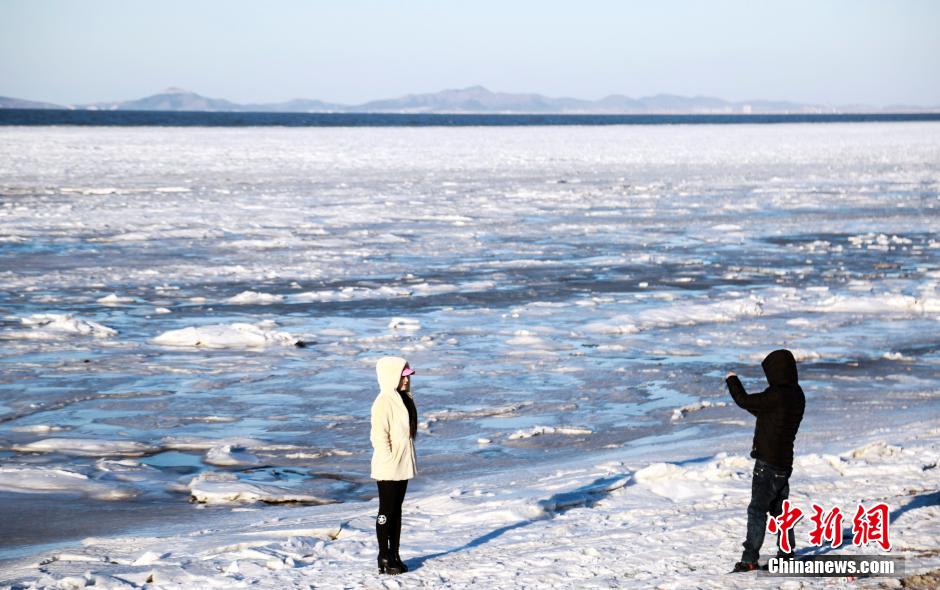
[(836, 52)]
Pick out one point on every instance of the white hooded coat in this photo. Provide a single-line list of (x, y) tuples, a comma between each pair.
[(393, 455)]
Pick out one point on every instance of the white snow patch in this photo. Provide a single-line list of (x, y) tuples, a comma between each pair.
[(28, 479), (879, 304), (237, 335), (224, 488), (255, 298), (53, 325), (799, 354), (494, 412), (87, 447), (39, 428), (405, 324), (540, 430), (336, 333), (350, 294), (114, 299), (682, 412), (683, 313), (875, 450), (192, 443), (227, 455)]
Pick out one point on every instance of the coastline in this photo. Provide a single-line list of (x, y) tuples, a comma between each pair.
[(646, 514)]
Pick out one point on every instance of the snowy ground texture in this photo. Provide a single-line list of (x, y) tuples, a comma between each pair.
[(657, 516)]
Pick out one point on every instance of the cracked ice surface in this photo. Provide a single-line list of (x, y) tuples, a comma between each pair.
[(585, 284)]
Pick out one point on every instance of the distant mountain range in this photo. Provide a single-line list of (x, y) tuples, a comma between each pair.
[(475, 99)]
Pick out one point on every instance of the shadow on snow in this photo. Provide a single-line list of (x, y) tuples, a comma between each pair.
[(586, 496)]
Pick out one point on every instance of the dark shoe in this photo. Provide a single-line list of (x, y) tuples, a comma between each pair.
[(388, 566), (745, 566), (396, 559)]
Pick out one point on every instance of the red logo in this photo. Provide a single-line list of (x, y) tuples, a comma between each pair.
[(827, 526), (868, 526), (871, 526), (783, 523)]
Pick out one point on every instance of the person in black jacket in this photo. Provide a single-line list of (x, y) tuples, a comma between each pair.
[(779, 410)]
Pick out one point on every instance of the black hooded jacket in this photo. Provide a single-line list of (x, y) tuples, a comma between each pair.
[(779, 409)]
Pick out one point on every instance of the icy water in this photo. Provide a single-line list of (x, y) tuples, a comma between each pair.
[(45, 117), (560, 290)]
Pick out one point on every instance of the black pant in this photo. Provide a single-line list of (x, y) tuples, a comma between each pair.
[(770, 486), (388, 522)]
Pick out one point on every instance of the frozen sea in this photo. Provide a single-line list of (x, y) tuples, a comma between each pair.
[(189, 318)]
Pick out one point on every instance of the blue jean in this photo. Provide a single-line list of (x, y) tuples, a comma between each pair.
[(770, 486)]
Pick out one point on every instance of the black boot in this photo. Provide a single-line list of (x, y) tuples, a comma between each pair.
[(396, 559), (745, 566), (388, 565)]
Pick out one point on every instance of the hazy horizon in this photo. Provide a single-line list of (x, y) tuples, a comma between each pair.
[(177, 89), (837, 53)]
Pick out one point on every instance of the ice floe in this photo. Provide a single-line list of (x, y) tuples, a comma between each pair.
[(405, 324), (87, 447), (680, 314), (254, 298), (235, 335), (540, 430), (228, 455), (115, 299), (225, 488), (52, 325), (680, 413), (28, 479), (39, 428)]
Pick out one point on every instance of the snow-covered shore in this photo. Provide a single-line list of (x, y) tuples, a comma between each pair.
[(656, 514)]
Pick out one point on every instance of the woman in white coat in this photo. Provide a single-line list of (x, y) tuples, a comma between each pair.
[(394, 426)]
